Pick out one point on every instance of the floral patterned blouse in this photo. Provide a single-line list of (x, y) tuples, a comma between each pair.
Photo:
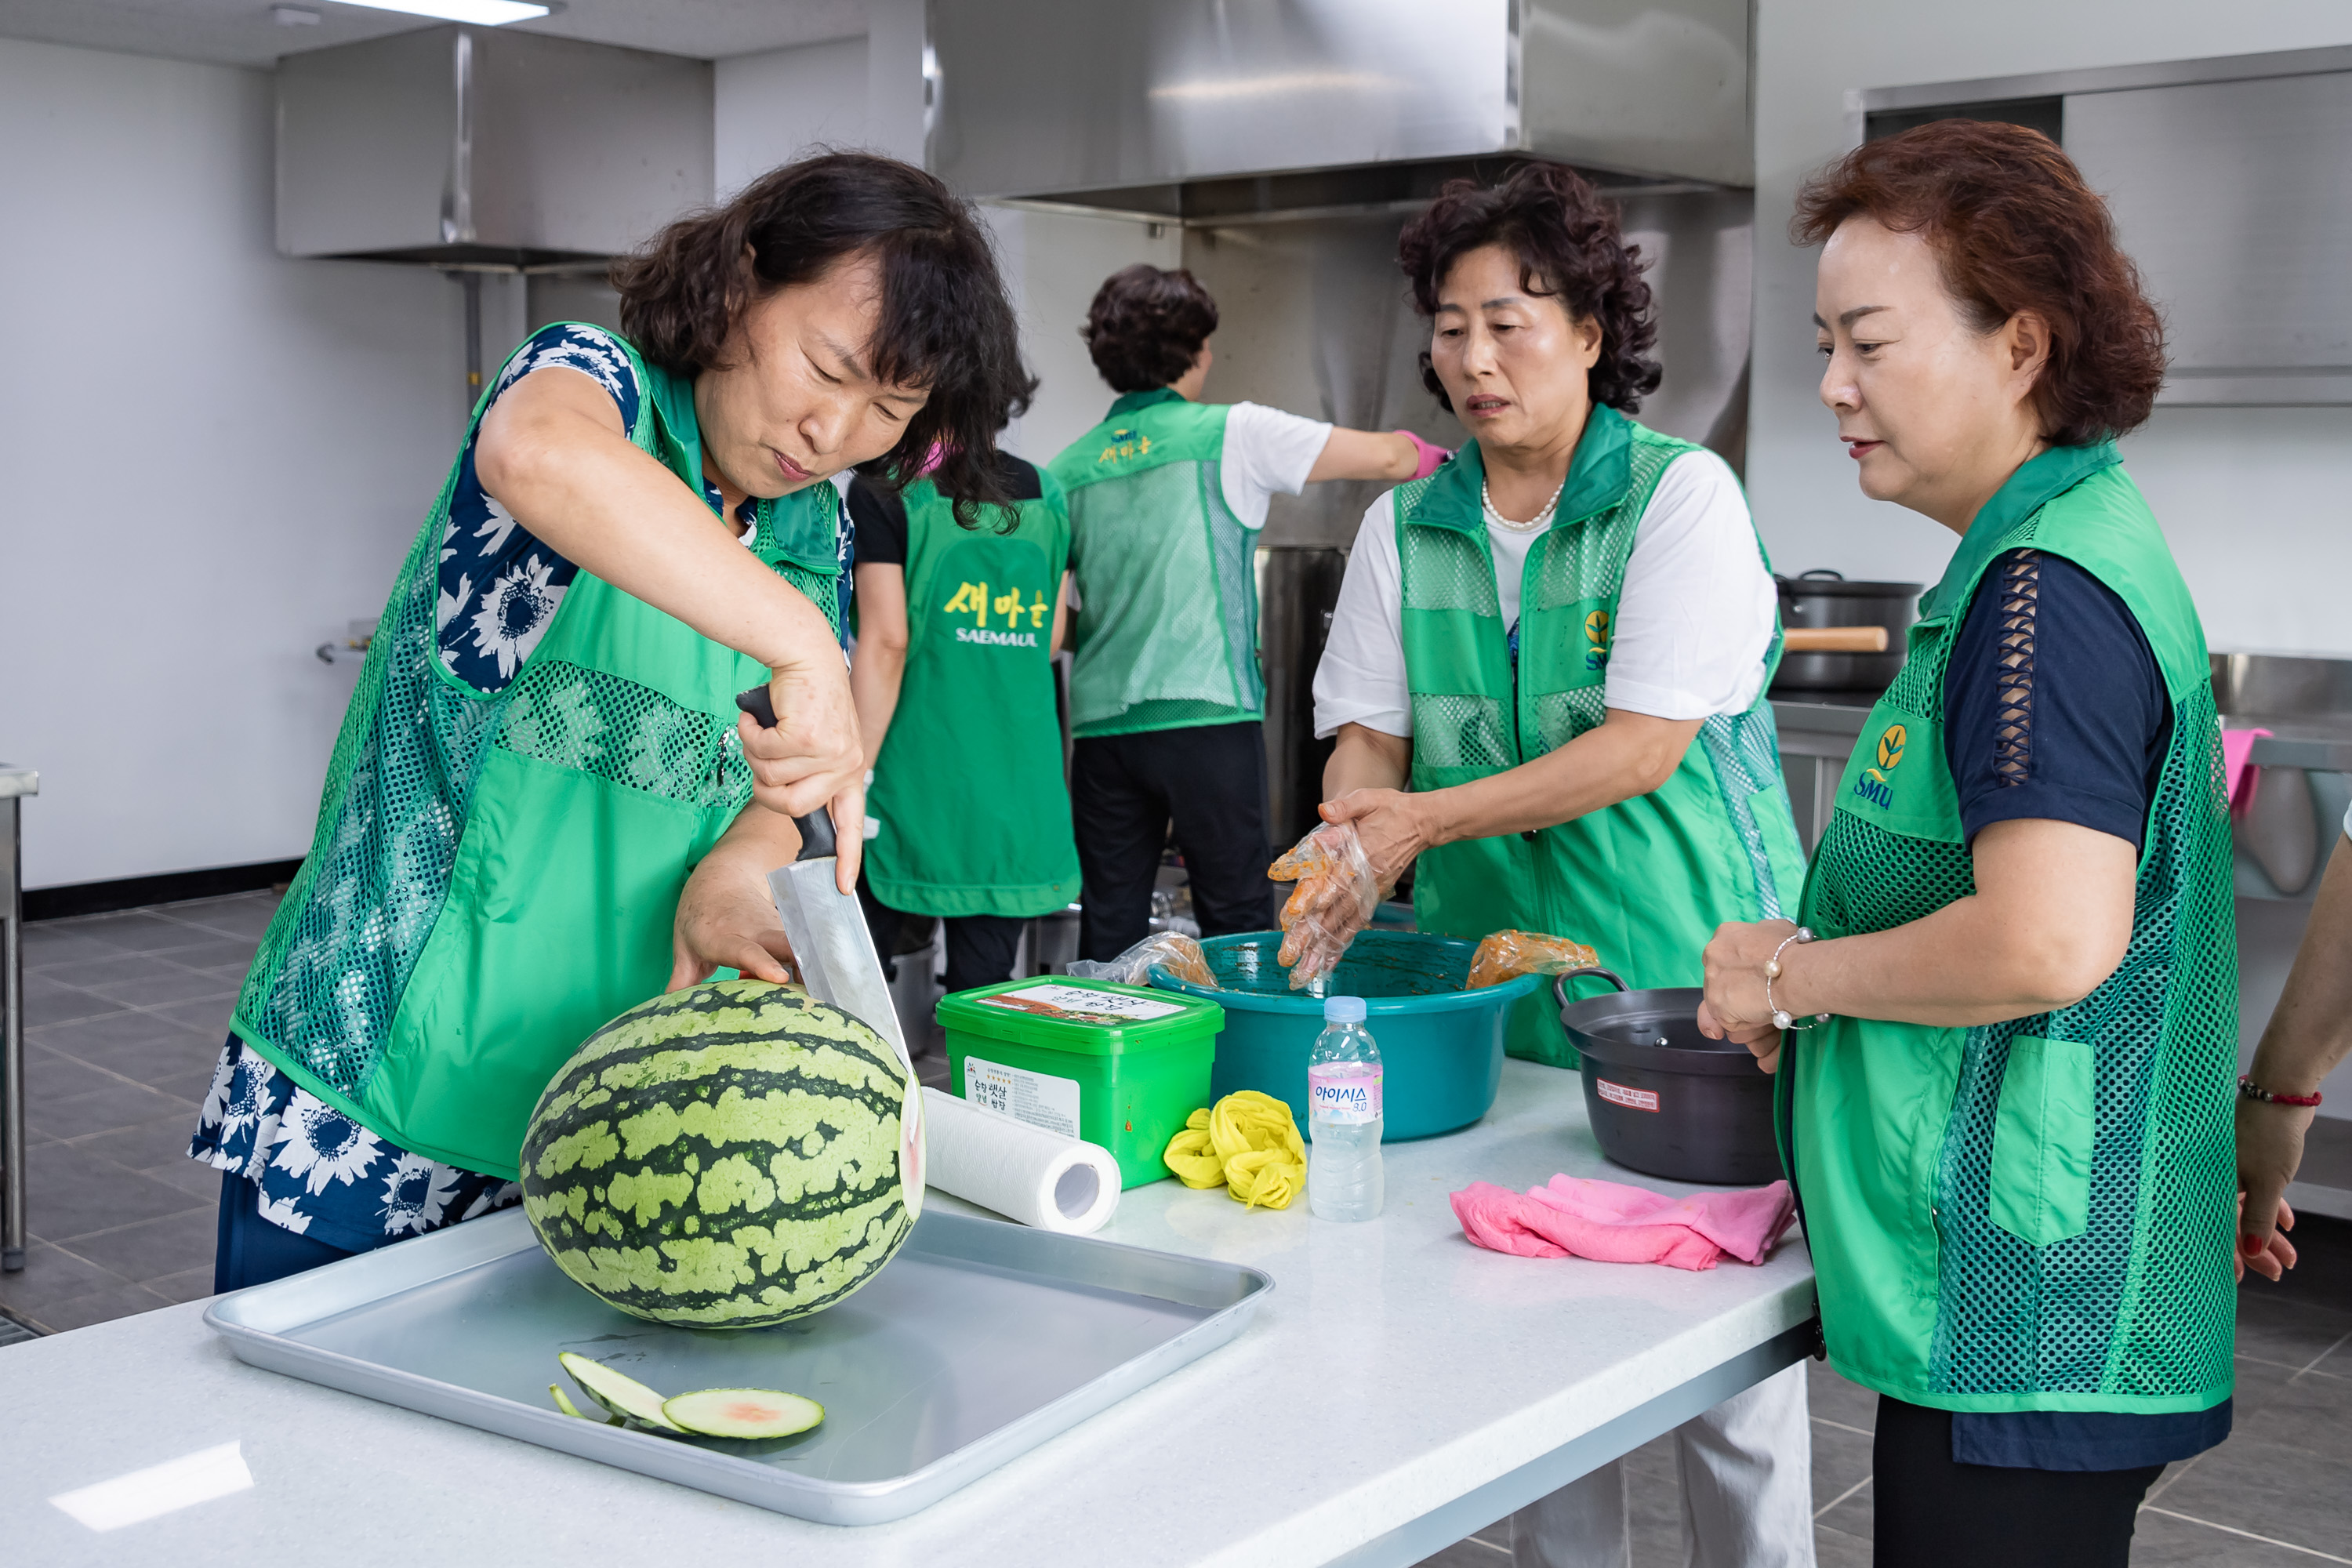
[(321, 1174)]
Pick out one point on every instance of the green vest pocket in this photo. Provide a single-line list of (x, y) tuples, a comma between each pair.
[(2040, 1190)]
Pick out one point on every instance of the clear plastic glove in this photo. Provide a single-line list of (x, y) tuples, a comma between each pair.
[(1335, 896), (1507, 953), (1172, 951)]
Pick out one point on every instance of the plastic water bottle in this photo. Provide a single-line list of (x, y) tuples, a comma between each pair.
[(1343, 1116)]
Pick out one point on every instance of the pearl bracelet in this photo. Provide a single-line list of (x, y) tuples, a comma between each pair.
[(1780, 1019)]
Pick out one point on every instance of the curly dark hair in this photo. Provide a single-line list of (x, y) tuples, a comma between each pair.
[(947, 325), (2014, 228), (1570, 247), (1146, 326)]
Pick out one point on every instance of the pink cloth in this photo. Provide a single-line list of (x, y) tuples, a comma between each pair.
[(2237, 771), (1617, 1223), (1431, 456)]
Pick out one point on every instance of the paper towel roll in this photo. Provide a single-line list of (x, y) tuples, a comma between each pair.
[(1023, 1173)]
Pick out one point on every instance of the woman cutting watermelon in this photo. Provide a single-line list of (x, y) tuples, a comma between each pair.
[(542, 807)]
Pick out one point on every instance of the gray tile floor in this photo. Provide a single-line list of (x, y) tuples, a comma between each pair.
[(126, 1013)]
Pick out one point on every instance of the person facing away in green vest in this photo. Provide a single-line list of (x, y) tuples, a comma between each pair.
[(1167, 703), (2006, 1030), (543, 806), (1561, 642), (954, 674)]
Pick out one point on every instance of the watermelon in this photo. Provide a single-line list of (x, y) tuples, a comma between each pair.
[(731, 1155), (742, 1413)]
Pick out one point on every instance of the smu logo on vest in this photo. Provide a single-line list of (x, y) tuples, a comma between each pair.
[(1123, 445), (1596, 635), (1873, 785)]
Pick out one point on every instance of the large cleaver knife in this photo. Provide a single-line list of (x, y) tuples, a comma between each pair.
[(828, 930)]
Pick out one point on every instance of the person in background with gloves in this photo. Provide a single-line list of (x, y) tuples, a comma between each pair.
[(2310, 1033), (1166, 498), (1561, 642)]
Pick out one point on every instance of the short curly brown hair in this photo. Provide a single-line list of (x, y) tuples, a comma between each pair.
[(2014, 229), (1146, 326), (1568, 245), (947, 324)]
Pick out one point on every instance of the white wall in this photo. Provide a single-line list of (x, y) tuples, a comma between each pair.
[(1052, 263), (211, 458), (2257, 502), (769, 108)]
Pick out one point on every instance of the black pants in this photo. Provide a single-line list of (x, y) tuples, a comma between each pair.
[(1932, 1512), (1124, 792), (980, 948)]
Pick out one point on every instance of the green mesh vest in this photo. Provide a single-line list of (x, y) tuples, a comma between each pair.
[(2036, 1215), (1166, 634), (1647, 880), (495, 875)]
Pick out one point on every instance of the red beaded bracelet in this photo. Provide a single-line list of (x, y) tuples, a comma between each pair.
[(2253, 1091)]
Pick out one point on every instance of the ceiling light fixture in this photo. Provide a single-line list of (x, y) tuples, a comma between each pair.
[(483, 13)]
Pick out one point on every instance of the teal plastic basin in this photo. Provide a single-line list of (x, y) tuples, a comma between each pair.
[(1441, 1046)]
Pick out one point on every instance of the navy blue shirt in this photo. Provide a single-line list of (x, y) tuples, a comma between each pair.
[(2054, 706)]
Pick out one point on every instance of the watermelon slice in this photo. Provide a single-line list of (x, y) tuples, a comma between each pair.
[(618, 1393), (564, 1402), (742, 1413)]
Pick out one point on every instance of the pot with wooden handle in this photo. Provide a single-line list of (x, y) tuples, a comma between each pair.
[(1841, 638)]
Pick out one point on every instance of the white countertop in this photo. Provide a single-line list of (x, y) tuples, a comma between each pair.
[(1395, 1368)]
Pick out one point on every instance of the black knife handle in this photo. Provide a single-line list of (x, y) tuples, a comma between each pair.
[(816, 835), (816, 827), (755, 702)]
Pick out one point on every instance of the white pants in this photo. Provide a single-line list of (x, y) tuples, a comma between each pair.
[(1747, 1492)]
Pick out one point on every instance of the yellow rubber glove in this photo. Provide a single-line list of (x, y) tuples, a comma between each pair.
[(1190, 1155), (1249, 1142)]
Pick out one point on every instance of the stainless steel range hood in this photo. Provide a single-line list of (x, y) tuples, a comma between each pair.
[(1032, 98), (463, 146)]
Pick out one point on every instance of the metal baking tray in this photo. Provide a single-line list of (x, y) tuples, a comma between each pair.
[(979, 1340)]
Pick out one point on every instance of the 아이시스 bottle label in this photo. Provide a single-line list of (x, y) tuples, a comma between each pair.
[(1344, 1092)]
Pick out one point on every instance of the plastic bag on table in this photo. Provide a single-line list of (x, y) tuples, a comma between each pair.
[(1335, 896), (1178, 953), (1508, 953)]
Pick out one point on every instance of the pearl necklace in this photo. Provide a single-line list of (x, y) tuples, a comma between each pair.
[(1541, 519)]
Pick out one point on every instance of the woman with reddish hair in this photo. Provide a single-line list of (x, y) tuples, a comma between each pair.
[(2005, 1027)]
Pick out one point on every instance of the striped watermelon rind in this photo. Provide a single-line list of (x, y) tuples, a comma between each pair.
[(733, 1155)]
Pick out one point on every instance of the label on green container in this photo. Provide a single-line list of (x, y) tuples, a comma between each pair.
[(1039, 1098), (1079, 1005)]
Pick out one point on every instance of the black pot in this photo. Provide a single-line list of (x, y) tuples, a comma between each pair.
[(1824, 598), (1664, 1100)]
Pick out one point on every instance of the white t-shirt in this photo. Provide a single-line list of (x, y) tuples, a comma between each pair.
[(1266, 450), (1694, 614)]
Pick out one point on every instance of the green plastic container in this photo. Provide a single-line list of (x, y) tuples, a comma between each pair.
[(1121, 1066)]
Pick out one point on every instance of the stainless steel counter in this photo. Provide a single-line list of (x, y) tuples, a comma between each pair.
[(1816, 739)]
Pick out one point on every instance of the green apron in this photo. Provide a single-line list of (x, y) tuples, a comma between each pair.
[(2036, 1215), (495, 875), (1645, 881), (1166, 634), (974, 813)]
